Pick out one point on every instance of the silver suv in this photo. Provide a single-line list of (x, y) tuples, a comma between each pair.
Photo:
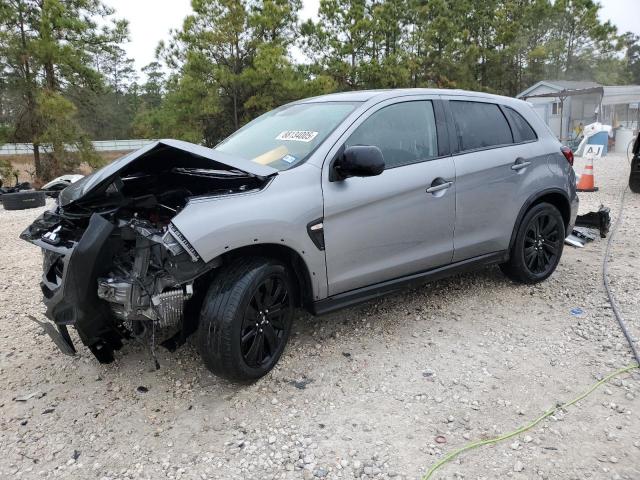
[(319, 204)]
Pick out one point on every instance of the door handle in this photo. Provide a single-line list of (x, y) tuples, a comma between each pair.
[(520, 164), (436, 187)]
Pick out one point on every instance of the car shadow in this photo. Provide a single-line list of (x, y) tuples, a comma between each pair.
[(381, 314)]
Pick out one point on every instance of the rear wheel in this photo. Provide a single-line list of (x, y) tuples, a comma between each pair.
[(246, 319), (537, 249)]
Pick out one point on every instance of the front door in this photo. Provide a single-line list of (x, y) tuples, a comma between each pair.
[(388, 226)]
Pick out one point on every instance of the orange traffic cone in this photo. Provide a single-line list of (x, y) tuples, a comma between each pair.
[(587, 180)]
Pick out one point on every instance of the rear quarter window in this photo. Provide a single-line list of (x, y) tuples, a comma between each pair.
[(480, 125), (522, 131)]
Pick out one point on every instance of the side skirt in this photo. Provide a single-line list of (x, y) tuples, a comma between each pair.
[(360, 295)]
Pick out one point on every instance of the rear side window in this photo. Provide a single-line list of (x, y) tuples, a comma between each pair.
[(522, 131), (480, 125), (405, 132)]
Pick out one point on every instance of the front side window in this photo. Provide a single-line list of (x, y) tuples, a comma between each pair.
[(405, 132), (480, 125), (286, 136)]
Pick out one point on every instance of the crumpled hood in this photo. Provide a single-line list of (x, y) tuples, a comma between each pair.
[(106, 174)]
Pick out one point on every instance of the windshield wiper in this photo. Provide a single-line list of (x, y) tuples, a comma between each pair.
[(211, 173)]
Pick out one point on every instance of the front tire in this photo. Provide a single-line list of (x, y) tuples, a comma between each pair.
[(246, 318), (538, 246)]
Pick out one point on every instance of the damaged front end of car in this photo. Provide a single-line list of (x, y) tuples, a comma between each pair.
[(114, 264)]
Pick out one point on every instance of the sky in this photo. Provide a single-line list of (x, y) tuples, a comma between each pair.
[(151, 20)]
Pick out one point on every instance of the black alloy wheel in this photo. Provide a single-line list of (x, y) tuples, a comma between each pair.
[(263, 327), (246, 318), (541, 243), (537, 247)]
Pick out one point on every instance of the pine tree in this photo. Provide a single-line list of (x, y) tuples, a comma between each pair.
[(230, 63), (47, 46)]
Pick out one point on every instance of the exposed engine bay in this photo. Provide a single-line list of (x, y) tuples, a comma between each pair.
[(114, 265)]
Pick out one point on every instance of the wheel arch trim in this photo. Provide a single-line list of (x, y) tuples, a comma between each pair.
[(536, 198), (307, 280)]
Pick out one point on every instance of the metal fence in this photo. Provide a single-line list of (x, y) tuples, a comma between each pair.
[(100, 146)]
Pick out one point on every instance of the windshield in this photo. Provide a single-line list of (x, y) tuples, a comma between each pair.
[(286, 136)]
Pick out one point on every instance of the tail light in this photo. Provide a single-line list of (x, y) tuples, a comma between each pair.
[(568, 154)]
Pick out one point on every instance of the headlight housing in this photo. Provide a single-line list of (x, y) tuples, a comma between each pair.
[(176, 244)]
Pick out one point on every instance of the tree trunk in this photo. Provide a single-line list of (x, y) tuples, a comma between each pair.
[(235, 108), (58, 150), (30, 96), (237, 67), (50, 76), (36, 160)]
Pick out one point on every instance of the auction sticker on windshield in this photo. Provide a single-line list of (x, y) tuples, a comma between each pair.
[(297, 135)]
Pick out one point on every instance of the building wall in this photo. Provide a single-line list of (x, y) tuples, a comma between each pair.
[(619, 108), (576, 110), (545, 109), (583, 111)]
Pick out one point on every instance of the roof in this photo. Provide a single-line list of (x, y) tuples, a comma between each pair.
[(559, 85), (614, 95), (379, 95), (352, 96), (611, 95), (572, 84)]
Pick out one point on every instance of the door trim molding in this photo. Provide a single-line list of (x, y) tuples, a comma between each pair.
[(363, 294)]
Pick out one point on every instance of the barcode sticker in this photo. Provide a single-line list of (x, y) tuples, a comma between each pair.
[(297, 135)]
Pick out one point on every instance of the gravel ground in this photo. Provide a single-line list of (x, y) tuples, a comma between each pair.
[(362, 393)]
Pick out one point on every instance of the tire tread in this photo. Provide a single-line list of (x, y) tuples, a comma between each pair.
[(514, 268), (219, 311)]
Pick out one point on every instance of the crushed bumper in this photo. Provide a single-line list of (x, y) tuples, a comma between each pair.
[(69, 280), (59, 334)]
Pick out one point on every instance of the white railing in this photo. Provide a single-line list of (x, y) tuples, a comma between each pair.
[(99, 145)]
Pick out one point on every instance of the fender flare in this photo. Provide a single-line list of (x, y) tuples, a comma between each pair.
[(531, 201), (306, 277)]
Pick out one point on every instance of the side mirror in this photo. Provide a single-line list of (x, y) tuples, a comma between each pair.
[(358, 161)]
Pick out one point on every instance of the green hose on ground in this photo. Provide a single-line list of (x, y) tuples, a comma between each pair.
[(470, 446), (614, 305)]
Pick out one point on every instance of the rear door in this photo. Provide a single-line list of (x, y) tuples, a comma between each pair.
[(388, 226), (498, 165)]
